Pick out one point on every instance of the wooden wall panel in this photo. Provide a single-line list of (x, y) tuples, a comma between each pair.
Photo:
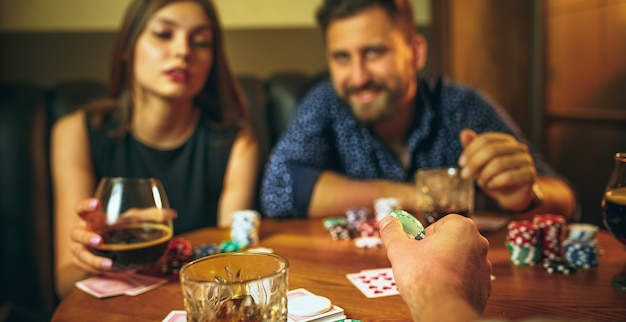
[(487, 44), (586, 58)]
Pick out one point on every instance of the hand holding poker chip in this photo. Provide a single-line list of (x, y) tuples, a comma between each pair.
[(412, 227)]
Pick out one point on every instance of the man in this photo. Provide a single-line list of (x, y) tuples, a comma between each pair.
[(441, 277), (364, 135)]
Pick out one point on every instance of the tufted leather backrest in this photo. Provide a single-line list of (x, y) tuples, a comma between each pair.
[(67, 96), (26, 279), (284, 91)]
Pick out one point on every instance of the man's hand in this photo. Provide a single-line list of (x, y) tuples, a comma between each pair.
[(441, 277), (502, 166)]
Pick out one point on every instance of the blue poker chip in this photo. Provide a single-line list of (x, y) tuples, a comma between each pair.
[(206, 250), (583, 253)]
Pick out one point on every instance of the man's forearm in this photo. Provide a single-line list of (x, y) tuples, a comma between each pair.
[(334, 193)]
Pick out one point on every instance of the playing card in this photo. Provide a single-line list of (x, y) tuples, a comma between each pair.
[(176, 316), (145, 283), (333, 314), (107, 286), (101, 286), (375, 282)]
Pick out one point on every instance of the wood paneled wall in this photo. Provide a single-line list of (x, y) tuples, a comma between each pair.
[(488, 44), (557, 66)]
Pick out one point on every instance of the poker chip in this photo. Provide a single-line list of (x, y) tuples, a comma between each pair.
[(368, 228), (582, 231), (206, 250), (308, 305), (330, 222), (356, 216), (582, 253), (260, 250), (368, 242), (412, 227), (524, 255), (244, 229), (559, 266), (552, 228), (523, 233), (337, 227), (178, 252), (384, 207), (229, 246)]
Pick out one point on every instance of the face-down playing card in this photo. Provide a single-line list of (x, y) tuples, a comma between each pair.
[(375, 282)]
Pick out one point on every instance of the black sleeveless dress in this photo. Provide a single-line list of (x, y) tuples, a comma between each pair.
[(192, 174)]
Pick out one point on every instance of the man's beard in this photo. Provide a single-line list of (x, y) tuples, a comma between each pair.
[(377, 111)]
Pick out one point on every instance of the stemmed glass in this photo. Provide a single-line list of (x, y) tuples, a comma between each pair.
[(614, 209), (134, 228)]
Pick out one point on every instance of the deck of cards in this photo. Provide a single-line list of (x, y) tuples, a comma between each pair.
[(375, 282), (304, 306), (105, 286)]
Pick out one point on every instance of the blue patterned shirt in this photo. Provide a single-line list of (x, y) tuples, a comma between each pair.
[(324, 135)]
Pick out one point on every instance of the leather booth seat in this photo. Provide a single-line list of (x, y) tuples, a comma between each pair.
[(27, 112)]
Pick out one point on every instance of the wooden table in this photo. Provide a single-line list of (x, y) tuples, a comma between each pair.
[(320, 265)]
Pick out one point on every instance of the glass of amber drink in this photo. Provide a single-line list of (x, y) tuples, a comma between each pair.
[(247, 286), (132, 222)]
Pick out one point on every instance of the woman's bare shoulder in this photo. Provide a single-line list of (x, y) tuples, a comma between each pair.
[(71, 122)]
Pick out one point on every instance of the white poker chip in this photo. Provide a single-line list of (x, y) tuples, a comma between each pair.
[(368, 242), (260, 250), (308, 305)]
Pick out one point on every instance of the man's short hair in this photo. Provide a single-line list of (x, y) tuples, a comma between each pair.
[(399, 11)]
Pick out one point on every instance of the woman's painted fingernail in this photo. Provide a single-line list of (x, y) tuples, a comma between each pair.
[(107, 263), (93, 204), (95, 240)]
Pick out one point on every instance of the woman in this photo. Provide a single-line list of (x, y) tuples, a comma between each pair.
[(175, 113)]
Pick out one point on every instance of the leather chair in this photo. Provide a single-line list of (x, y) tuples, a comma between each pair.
[(67, 96), (284, 91), (26, 281)]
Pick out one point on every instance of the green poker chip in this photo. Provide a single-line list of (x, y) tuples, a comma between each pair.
[(412, 227)]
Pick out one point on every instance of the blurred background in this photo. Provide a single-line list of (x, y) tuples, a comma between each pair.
[(557, 66)]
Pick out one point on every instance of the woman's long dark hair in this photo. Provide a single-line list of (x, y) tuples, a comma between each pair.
[(220, 100)]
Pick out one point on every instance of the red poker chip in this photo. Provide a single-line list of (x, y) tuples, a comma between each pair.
[(523, 233), (549, 220)]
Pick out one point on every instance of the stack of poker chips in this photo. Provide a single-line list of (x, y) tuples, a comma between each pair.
[(337, 227), (581, 246), (206, 250), (358, 224), (357, 219), (552, 228), (384, 206), (364, 228), (244, 229), (524, 243), (178, 252), (559, 266)]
